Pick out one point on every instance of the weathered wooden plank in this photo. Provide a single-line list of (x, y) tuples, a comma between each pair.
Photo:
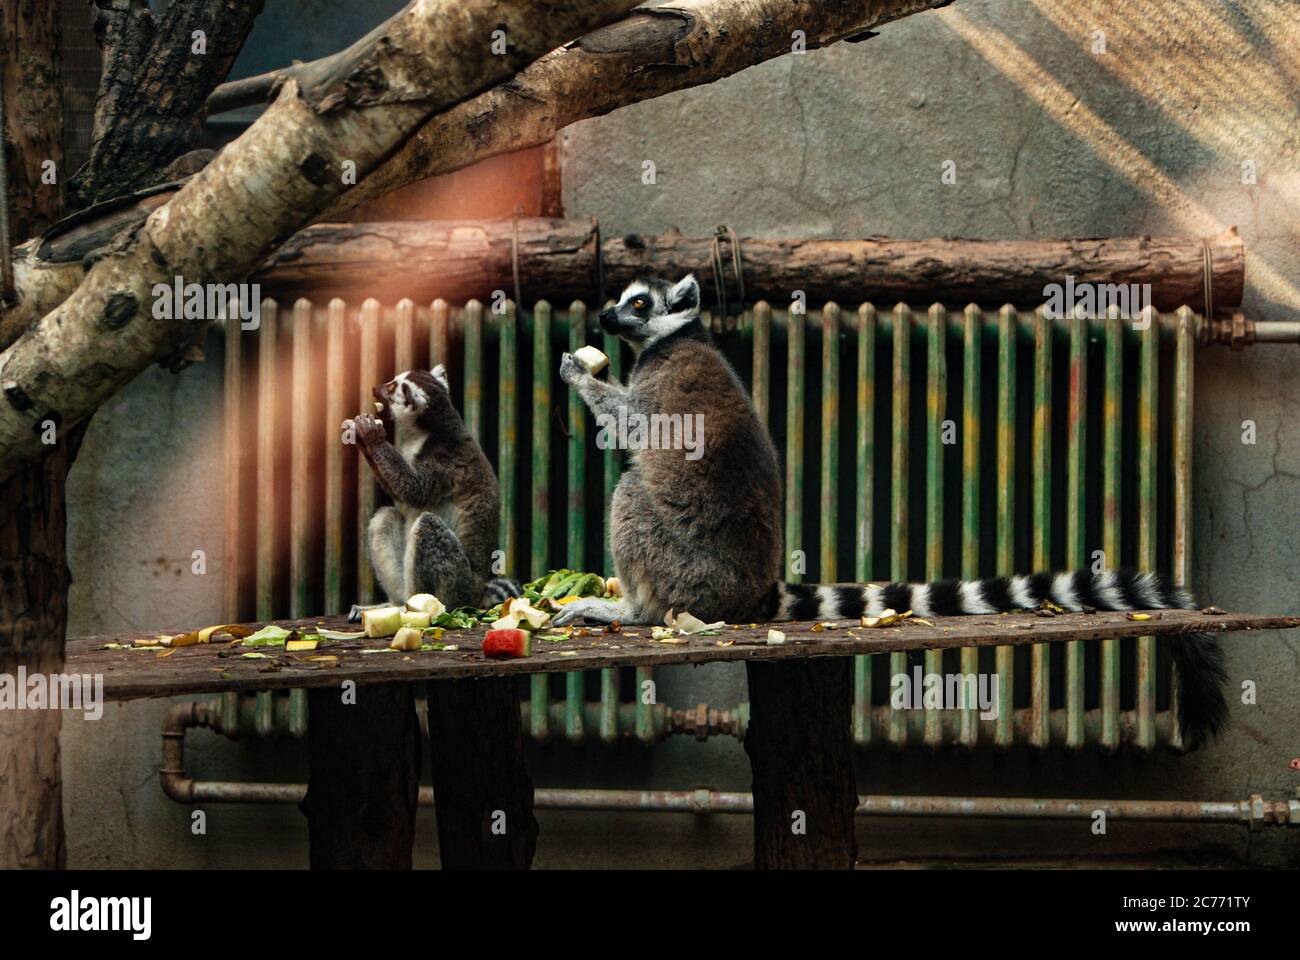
[(213, 668)]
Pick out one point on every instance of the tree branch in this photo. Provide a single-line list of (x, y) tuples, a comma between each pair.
[(651, 52), (258, 192)]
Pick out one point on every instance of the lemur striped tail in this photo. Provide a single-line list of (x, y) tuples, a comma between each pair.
[(1198, 661), (498, 590)]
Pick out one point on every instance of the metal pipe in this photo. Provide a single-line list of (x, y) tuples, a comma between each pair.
[(1254, 812)]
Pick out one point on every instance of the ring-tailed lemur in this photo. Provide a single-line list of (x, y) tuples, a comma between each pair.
[(439, 535), (704, 535)]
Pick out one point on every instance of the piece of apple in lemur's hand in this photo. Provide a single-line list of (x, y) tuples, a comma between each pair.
[(592, 358), (583, 362)]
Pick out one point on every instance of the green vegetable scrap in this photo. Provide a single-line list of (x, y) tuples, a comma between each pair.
[(269, 636)]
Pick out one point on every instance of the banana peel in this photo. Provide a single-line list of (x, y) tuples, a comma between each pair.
[(887, 618), (237, 630)]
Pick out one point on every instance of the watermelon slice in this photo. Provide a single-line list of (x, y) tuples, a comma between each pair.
[(507, 643)]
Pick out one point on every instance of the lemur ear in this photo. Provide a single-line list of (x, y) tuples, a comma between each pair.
[(439, 373), (684, 295)]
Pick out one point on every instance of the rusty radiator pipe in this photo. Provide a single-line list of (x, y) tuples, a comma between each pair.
[(1255, 812)]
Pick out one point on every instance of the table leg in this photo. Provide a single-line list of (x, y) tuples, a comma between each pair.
[(801, 753), (482, 792), (364, 748)]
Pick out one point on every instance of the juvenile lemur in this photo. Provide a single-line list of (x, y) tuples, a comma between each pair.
[(439, 534), (704, 534)]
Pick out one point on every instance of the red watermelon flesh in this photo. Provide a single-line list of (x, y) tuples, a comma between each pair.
[(507, 644)]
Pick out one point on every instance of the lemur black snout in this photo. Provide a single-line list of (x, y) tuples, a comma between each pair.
[(609, 320)]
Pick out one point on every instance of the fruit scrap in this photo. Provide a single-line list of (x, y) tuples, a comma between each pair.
[(1138, 616), (269, 636), (415, 618), (688, 624), (236, 630), (613, 589), (406, 638), (518, 613), (425, 603), (775, 637), (299, 646), (381, 622), (507, 643), (887, 618), (340, 634), (592, 358)]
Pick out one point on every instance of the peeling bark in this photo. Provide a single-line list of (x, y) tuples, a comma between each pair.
[(254, 195), (150, 108), (33, 108)]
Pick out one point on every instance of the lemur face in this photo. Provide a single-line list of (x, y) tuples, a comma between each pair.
[(417, 396), (651, 309)]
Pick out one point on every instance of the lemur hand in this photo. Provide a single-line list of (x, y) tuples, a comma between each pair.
[(369, 430), (572, 371)]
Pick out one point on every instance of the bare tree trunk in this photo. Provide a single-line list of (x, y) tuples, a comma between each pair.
[(156, 79), (33, 565)]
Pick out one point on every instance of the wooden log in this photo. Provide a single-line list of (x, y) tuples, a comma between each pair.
[(460, 259), (365, 777), (481, 789), (801, 753), (457, 260)]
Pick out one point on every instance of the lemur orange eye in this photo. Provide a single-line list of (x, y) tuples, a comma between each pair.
[(638, 303)]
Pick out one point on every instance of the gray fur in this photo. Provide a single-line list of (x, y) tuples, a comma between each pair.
[(439, 535), (700, 535)]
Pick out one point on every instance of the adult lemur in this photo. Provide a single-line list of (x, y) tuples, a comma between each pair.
[(439, 534), (704, 534)]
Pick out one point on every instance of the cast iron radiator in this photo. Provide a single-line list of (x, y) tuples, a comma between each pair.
[(916, 444)]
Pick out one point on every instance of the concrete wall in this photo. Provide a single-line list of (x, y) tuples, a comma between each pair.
[(1049, 139)]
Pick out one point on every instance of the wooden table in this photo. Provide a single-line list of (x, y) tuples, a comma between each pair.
[(363, 735)]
